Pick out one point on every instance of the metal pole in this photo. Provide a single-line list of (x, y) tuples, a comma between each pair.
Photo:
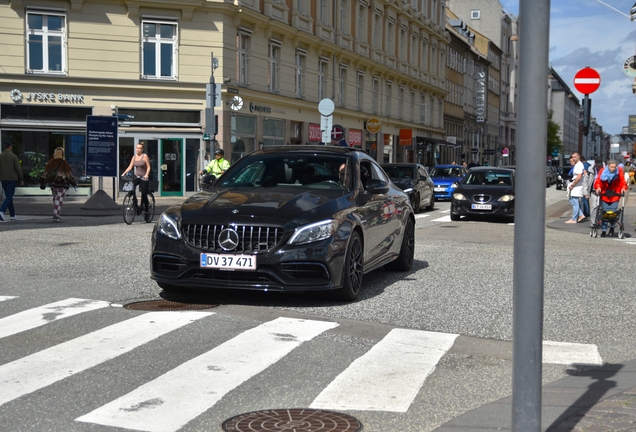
[(529, 231)]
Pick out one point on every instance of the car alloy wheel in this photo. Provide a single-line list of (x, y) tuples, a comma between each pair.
[(353, 270)]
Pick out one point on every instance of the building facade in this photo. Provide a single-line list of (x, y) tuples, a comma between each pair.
[(382, 63)]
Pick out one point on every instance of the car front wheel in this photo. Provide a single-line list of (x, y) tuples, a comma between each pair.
[(454, 217), (353, 271), (404, 261)]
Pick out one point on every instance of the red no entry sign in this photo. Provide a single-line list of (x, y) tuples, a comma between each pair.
[(587, 80)]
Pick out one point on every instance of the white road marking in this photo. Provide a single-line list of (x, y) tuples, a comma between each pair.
[(421, 216), (445, 211), (443, 219), (41, 369), (39, 316), (175, 398), (3, 298), (389, 376), (571, 353)]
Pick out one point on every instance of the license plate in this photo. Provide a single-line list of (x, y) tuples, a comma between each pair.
[(228, 261), (440, 189), (481, 206)]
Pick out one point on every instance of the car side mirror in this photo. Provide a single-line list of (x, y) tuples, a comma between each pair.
[(376, 186)]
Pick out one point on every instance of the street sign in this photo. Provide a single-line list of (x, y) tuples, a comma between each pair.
[(587, 80), (337, 133), (505, 151), (101, 146)]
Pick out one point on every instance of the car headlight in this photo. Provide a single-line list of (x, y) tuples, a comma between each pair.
[(506, 198), (314, 232), (169, 224), (455, 185), (407, 190), (459, 197)]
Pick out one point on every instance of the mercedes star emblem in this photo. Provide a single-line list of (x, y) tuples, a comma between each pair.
[(228, 239)]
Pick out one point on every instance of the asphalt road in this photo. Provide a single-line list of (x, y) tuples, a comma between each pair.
[(460, 286)]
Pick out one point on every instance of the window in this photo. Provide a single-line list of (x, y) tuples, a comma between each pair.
[(424, 9), (475, 14), (422, 108), (273, 132), (440, 113), (46, 43), (390, 38), (403, 42), (361, 32), (244, 41), (401, 103), (375, 94), (377, 30), (342, 86), (302, 7), (413, 59), (274, 66), (344, 17), (322, 78), (412, 116), (424, 65), (159, 50), (388, 100), (301, 62), (359, 91), (432, 116), (323, 12)]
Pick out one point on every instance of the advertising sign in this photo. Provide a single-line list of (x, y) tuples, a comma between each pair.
[(314, 132), (632, 124), (101, 146), (630, 66), (355, 137), (406, 137), (373, 125)]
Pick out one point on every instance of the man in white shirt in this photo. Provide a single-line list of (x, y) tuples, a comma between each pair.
[(575, 189)]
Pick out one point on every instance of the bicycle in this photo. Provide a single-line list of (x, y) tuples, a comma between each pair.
[(131, 207)]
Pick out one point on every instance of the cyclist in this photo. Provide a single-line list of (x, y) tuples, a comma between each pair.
[(217, 166), (141, 164)]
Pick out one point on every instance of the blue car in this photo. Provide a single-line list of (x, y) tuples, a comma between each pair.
[(444, 176)]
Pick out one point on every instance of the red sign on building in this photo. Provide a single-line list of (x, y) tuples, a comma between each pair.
[(314, 133), (355, 137)]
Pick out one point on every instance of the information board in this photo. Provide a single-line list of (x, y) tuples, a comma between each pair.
[(101, 146)]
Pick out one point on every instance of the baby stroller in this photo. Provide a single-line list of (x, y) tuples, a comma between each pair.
[(610, 216)]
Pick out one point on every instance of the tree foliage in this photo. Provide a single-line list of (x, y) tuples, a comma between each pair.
[(554, 140)]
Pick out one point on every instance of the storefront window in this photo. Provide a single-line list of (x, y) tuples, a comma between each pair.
[(243, 134), (35, 148), (192, 149), (273, 132)]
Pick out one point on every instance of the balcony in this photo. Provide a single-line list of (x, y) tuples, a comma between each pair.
[(507, 116)]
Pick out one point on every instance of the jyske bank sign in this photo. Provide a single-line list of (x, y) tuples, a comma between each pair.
[(18, 96)]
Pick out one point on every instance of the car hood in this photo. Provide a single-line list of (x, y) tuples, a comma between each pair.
[(264, 206), (446, 180), (493, 190), (403, 183)]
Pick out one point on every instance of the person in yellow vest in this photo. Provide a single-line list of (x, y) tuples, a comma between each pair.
[(218, 165)]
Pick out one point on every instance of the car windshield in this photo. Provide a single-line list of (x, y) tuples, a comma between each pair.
[(302, 170), (498, 178), (446, 172), (565, 170), (399, 172)]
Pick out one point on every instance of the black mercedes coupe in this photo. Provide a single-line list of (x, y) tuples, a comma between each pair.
[(287, 218)]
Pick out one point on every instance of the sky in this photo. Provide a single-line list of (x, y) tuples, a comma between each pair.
[(598, 34)]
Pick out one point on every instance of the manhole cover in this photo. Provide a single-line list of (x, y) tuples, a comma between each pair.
[(292, 420), (166, 305)]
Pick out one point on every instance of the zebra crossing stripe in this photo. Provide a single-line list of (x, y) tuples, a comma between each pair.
[(175, 398), (42, 315), (41, 369), (442, 219), (3, 298), (378, 382)]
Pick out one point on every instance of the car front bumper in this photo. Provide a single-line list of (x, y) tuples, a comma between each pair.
[(498, 209)]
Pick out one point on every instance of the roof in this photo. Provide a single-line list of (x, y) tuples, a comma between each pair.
[(310, 148)]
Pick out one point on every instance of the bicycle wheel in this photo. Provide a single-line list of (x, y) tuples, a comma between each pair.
[(129, 209), (151, 208)]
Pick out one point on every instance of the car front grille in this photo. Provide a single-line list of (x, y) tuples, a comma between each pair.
[(481, 198), (252, 239)]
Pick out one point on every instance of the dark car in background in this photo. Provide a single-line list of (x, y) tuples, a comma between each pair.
[(414, 180), (550, 175), (287, 218), (563, 177), (445, 177), (485, 191)]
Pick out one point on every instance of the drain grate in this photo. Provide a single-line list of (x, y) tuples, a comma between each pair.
[(167, 305), (294, 419)]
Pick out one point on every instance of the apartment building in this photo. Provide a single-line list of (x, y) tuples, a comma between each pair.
[(382, 63)]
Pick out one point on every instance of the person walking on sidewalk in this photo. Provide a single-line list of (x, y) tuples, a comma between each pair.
[(58, 175), (575, 189), (10, 175), (609, 185)]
